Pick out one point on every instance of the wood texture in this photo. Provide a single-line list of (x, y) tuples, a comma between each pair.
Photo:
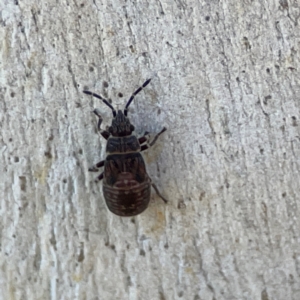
[(225, 83)]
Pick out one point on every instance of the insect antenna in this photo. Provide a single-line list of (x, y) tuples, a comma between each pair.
[(134, 94), (104, 100)]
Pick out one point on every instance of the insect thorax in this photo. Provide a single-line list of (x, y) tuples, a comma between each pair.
[(122, 145)]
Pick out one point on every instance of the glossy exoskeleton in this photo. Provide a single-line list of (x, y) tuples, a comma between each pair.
[(126, 184)]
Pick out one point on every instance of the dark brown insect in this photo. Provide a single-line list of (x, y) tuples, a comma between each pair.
[(126, 184)]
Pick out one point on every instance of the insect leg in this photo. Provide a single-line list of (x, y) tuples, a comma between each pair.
[(104, 133), (95, 167), (144, 139), (100, 177), (158, 193)]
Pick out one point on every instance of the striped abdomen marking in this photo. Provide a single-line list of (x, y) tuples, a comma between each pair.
[(127, 197)]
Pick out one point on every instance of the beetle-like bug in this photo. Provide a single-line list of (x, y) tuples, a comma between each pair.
[(126, 184)]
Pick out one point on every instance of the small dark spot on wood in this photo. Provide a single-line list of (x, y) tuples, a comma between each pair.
[(294, 121), (131, 48), (105, 84), (142, 252), (261, 151), (16, 159), (48, 154), (180, 294), (51, 137), (132, 220), (202, 195), (166, 246), (81, 256), (264, 295), (201, 149), (161, 296), (120, 95), (78, 104), (113, 247), (16, 2), (283, 194), (91, 69), (52, 241), (266, 99), (82, 5), (181, 205), (32, 120), (284, 4), (80, 151), (14, 236), (65, 180), (12, 94), (129, 282), (227, 185), (264, 208), (237, 79), (10, 139), (246, 43), (22, 183), (158, 111), (207, 18), (268, 70), (143, 237)]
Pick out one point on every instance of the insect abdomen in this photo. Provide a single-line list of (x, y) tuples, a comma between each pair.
[(127, 197)]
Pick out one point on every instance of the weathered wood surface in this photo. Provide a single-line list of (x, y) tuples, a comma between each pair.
[(226, 84)]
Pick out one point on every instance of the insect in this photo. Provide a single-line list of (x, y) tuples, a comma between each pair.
[(126, 184)]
